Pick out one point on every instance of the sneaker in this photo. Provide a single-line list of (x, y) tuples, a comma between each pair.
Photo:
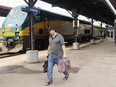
[(48, 83), (66, 77)]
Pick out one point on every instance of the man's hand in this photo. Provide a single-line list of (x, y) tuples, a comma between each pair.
[(48, 51), (64, 56), (47, 56), (64, 51)]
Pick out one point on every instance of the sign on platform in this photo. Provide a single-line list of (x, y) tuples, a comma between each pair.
[(29, 9)]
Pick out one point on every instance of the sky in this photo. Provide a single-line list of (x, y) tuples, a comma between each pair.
[(43, 5)]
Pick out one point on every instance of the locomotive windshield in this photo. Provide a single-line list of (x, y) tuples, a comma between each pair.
[(16, 11), (16, 17)]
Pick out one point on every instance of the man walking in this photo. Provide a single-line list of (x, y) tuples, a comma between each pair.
[(56, 51)]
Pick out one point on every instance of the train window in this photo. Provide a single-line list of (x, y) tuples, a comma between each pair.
[(20, 12), (37, 17), (40, 31), (12, 19), (16, 11), (87, 31), (12, 11)]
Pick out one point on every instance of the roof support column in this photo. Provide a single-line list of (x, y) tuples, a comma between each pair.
[(76, 45), (32, 54), (115, 31), (31, 26), (101, 39), (92, 37), (106, 32), (92, 28), (31, 4)]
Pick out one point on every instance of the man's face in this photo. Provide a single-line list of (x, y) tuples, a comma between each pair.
[(52, 32)]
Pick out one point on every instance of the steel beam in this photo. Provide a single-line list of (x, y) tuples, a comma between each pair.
[(31, 4)]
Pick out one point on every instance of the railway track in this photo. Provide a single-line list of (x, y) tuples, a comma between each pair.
[(5, 52), (10, 54)]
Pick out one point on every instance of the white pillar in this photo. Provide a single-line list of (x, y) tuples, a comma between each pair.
[(76, 46), (92, 41), (32, 56), (101, 39), (106, 37)]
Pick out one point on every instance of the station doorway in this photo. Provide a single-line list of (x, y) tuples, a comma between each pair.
[(111, 33)]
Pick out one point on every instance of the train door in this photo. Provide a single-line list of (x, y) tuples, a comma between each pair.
[(111, 34)]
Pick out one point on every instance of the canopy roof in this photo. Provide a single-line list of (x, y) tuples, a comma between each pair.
[(4, 10), (113, 2), (96, 9)]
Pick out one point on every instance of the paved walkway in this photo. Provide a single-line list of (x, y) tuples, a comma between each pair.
[(92, 66)]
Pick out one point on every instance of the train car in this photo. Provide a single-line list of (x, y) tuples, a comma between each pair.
[(15, 29)]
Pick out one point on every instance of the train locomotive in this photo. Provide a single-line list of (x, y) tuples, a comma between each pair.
[(15, 28)]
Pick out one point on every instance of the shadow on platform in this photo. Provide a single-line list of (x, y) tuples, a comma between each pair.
[(18, 69)]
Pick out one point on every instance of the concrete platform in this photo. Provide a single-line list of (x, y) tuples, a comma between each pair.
[(92, 66)]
